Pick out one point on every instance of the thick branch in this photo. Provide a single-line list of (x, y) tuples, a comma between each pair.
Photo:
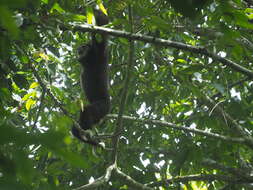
[(100, 181), (162, 42), (105, 178), (131, 182)]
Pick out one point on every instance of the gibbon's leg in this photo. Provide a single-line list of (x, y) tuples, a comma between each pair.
[(84, 138), (93, 113)]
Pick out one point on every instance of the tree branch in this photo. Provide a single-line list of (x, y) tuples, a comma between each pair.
[(105, 178), (181, 128), (48, 91), (248, 140), (100, 181), (39, 109), (115, 139), (161, 42), (131, 182), (238, 172), (199, 177), (239, 82)]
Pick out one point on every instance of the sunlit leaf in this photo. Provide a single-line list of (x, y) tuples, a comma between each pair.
[(29, 95), (58, 8), (43, 56), (44, 1), (34, 85), (89, 16), (29, 103), (102, 8)]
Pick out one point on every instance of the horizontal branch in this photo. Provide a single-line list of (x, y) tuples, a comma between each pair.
[(181, 128), (199, 177), (239, 173), (161, 42)]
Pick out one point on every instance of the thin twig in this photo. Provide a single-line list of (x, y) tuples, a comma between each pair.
[(123, 100), (231, 86), (181, 128), (235, 124), (39, 109)]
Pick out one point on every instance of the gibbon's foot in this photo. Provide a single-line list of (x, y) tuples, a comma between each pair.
[(86, 136)]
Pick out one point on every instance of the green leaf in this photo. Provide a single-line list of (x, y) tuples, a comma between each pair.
[(29, 95), (58, 92), (181, 61), (34, 85), (219, 87), (192, 69), (44, 1), (89, 15), (20, 80), (159, 23), (29, 103), (58, 8), (8, 22)]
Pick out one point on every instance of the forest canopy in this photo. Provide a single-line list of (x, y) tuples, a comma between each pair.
[(180, 85)]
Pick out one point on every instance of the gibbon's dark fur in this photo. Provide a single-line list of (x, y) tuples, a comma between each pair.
[(93, 59)]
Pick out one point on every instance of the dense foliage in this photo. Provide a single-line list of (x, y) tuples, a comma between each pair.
[(180, 84)]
